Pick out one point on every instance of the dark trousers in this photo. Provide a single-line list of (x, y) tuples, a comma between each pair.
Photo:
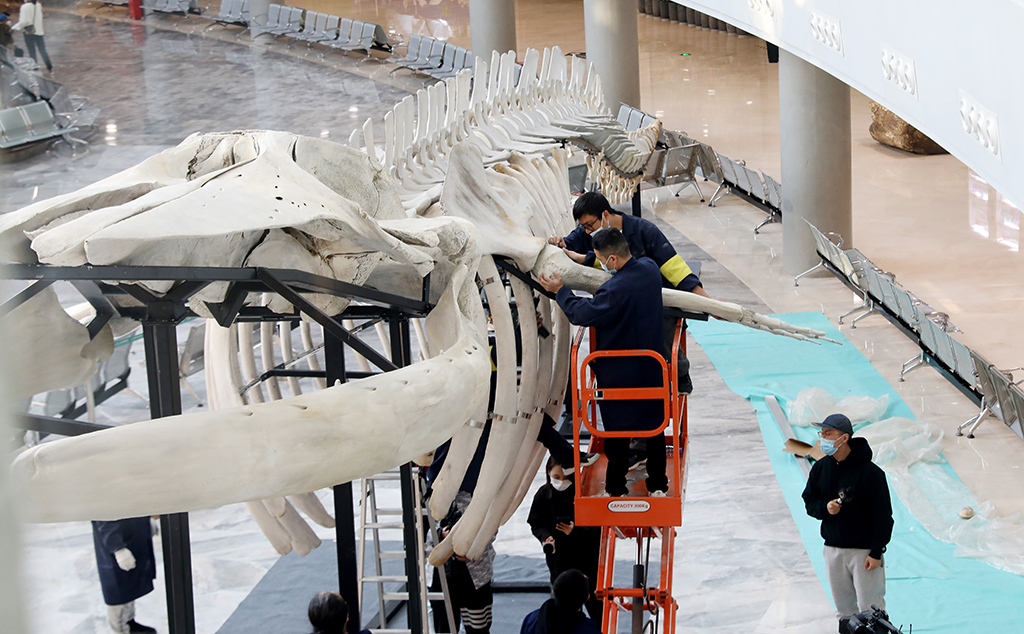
[(471, 606), (33, 42), (555, 443), (682, 363), (617, 450)]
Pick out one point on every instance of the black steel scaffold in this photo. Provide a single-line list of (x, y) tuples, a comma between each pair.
[(106, 288)]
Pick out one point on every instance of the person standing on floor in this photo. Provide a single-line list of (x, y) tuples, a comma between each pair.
[(127, 567), (30, 23), (850, 495), (566, 546)]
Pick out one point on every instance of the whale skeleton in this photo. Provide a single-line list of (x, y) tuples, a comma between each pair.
[(553, 101), (278, 200)]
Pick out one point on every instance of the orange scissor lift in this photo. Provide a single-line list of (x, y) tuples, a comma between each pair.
[(636, 516)]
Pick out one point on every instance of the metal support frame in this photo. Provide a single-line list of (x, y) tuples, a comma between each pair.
[(160, 314), (165, 400)]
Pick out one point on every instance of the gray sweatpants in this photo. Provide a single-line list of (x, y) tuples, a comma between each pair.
[(853, 588), (119, 615)]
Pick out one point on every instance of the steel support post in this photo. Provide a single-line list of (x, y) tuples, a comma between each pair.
[(344, 517), (165, 400), (411, 537), (401, 355)]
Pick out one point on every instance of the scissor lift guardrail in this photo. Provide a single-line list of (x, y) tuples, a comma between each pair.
[(637, 515)]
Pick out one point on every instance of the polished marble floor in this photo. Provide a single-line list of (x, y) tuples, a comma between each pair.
[(926, 219)]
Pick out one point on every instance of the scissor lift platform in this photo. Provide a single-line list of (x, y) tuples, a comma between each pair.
[(637, 515)]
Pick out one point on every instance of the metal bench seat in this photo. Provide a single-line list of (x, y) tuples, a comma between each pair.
[(231, 13), (30, 124), (1002, 397), (289, 24), (430, 56), (451, 64)]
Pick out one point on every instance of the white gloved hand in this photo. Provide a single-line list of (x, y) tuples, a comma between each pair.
[(125, 559)]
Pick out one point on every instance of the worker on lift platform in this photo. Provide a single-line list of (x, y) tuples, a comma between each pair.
[(593, 211), (626, 314)]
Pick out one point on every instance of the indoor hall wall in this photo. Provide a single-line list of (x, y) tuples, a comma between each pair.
[(959, 56)]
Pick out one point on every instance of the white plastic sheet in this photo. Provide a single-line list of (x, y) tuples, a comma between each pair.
[(910, 452), (813, 404)]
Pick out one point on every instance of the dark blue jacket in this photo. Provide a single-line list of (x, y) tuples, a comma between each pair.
[(135, 534), (626, 313), (539, 622), (645, 241)]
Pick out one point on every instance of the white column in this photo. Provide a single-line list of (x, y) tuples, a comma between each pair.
[(814, 118), (492, 26), (614, 48), (259, 11)]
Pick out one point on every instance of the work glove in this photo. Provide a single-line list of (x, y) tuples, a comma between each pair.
[(549, 546), (125, 559)]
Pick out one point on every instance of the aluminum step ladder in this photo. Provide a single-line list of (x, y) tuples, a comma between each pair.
[(413, 520)]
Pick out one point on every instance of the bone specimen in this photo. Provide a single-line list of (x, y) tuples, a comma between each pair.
[(278, 200)]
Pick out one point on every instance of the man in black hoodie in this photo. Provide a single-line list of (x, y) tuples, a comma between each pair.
[(849, 494)]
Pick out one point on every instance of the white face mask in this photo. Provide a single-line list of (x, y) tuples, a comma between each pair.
[(607, 270), (561, 485)]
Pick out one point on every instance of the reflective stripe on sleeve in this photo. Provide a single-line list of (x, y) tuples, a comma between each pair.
[(675, 270)]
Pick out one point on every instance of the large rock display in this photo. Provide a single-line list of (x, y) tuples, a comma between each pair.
[(889, 129)]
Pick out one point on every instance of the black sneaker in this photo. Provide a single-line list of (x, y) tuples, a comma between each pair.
[(587, 459), (685, 384), (139, 628)]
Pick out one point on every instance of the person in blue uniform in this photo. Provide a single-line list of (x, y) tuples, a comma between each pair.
[(328, 614), (127, 568), (626, 313), (592, 211), (563, 613)]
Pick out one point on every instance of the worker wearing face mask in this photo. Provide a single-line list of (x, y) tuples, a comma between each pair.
[(625, 313), (849, 494), (592, 211), (566, 546)]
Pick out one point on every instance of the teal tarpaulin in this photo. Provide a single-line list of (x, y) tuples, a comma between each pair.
[(927, 585)]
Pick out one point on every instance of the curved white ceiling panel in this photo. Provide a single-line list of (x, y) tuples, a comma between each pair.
[(954, 70)]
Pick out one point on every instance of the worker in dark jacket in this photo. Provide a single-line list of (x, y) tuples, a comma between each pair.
[(849, 494), (127, 567), (626, 314), (563, 613), (566, 546), (592, 211)]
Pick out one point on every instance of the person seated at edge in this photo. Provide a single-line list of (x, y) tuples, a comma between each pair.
[(328, 614), (592, 211), (625, 313), (563, 614)]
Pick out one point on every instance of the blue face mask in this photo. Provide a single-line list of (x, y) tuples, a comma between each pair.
[(608, 270), (828, 447)]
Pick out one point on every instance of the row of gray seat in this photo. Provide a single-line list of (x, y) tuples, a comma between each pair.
[(38, 108), (993, 388), (25, 125), (668, 10), (432, 57), (682, 156), (301, 25)]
